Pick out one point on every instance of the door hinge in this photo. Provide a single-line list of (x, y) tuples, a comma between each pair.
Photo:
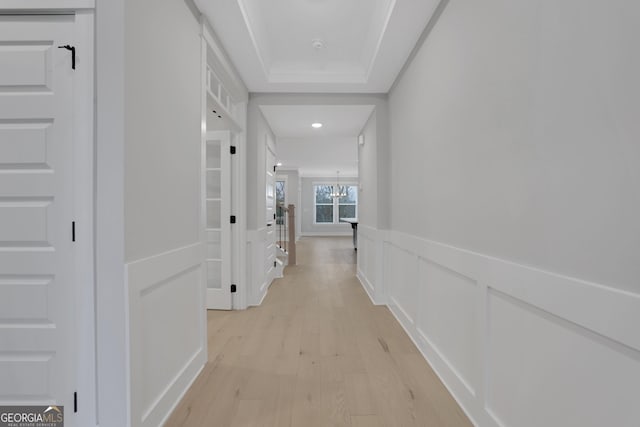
[(274, 168), (232, 149), (275, 263), (75, 402), (73, 231), (233, 219), (73, 54), (233, 289), (274, 216)]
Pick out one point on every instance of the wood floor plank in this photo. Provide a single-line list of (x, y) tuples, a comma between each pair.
[(366, 421), (359, 397), (276, 412), (334, 404), (247, 414), (315, 353), (307, 404)]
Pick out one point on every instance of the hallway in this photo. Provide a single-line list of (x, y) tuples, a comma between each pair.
[(315, 353)]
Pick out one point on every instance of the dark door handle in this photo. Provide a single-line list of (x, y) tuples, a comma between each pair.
[(72, 49)]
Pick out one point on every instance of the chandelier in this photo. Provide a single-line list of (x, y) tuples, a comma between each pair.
[(338, 191)]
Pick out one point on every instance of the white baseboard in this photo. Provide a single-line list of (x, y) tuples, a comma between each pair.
[(263, 294), (368, 288), (167, 324), (182, 394), (515, 345)]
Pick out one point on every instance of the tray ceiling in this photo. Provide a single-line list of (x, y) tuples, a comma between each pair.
[(318, 45)]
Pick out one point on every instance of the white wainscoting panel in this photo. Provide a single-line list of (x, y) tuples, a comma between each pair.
[(370, 259), (401, 279), (447, 317), (167, 323), (260, 265), (544, 370), (516, 346)]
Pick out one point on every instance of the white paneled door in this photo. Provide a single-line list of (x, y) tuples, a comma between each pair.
[(37, 289), (270, 244), (217, 196)]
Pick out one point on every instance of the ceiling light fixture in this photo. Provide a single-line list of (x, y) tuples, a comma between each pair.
[(318, 44), (338, 191), (316, 125), (279, 164)]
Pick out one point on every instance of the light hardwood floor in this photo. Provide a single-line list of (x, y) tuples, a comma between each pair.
[(315, 353)]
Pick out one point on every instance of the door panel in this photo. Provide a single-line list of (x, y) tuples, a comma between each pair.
[(270, 244), (37, 363), (217, 195)]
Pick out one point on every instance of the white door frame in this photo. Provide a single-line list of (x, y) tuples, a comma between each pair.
[(233, 84), (239, 230), (84, 171)]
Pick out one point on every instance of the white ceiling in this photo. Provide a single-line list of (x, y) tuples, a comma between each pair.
[(366, 42), (318, 152), (320, 157), (294, 121)]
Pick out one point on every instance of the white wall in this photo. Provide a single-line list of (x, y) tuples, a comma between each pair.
[(292, 191), (513, 256), (162, 108), (525, 131), (320, 156), (260, 252), (307, 210), (164, 255), (258, 134), (368, 174), (111, 309), (370, 254)]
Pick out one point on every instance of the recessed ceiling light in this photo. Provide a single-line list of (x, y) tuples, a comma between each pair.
[(318, 44), (316, 125), (279, 164)]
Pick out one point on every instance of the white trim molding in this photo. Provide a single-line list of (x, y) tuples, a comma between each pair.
[(223, 65), (48, 5), (515, 345), (84, 147), (167, 324)]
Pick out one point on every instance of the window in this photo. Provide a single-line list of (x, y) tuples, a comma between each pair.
[(280, 200), (324, 204), (329, 210), (347, 205)]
